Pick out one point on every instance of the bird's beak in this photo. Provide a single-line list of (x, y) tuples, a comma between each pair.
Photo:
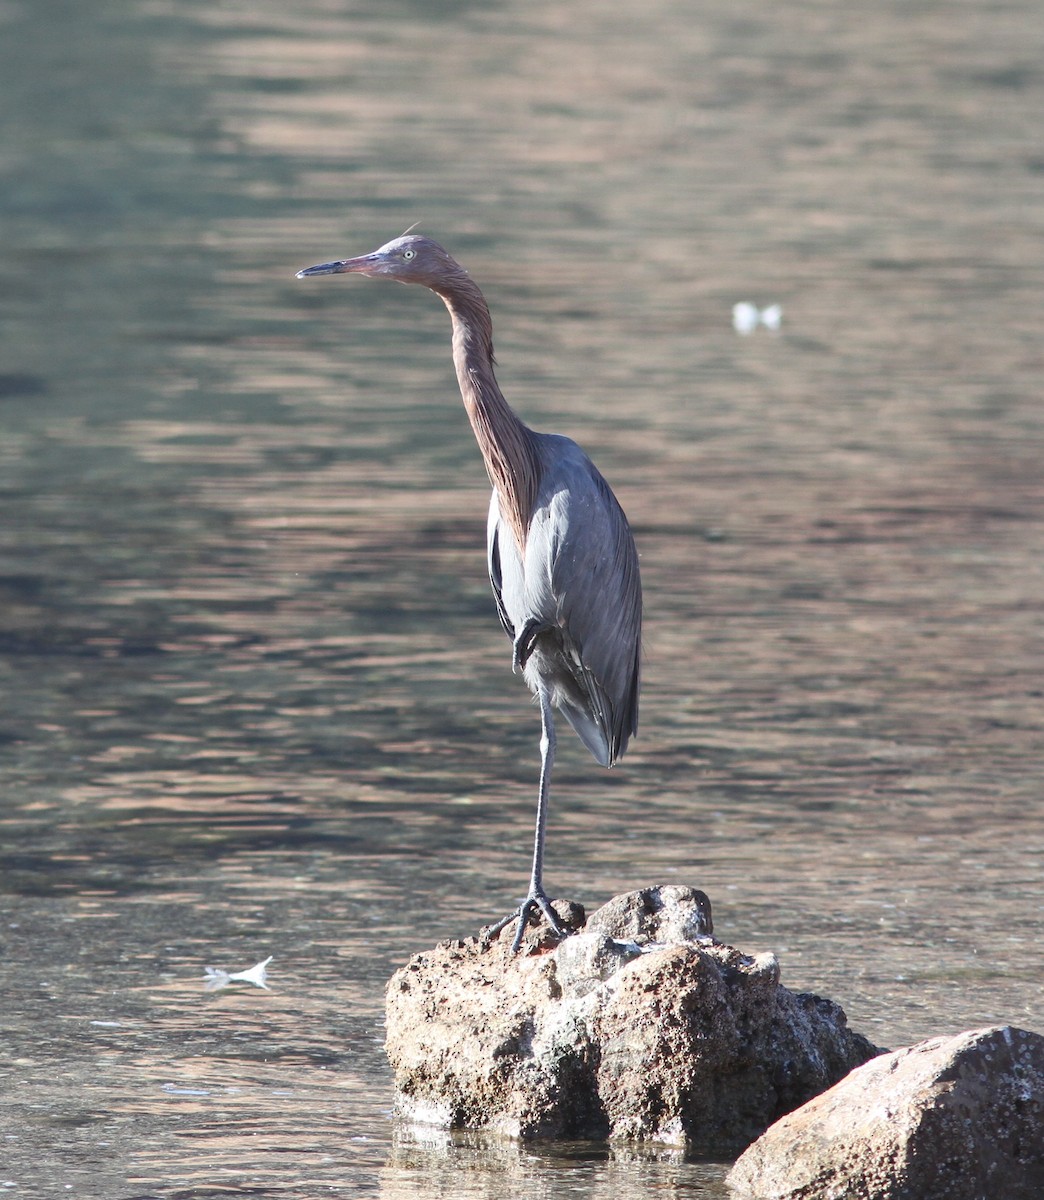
[(366, 265)]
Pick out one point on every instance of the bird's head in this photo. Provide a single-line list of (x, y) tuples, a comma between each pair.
[(409, 259)]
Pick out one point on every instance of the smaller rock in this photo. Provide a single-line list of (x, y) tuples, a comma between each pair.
[(958, 1118), (665, 914)]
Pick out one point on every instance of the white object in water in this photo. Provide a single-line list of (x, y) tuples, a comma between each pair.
[(215, 978), (746, 317)]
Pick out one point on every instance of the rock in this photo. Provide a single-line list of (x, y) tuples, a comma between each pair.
[(958, 1118), (660, 914), (641, 1026)]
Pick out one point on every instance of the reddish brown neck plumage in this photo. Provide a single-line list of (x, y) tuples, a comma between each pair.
[(506, 443)]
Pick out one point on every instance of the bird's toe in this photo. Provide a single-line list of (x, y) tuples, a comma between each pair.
[(559, 924)]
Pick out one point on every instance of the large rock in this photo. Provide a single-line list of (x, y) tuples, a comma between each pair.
[(959, 1118), (640, 1025)]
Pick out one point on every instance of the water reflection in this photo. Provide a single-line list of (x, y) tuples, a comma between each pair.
[(256, 698), (481, 1165)]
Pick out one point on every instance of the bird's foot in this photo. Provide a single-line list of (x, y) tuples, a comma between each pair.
[(533, 903)]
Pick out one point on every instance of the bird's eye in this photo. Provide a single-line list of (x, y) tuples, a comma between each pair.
[(408, 254)]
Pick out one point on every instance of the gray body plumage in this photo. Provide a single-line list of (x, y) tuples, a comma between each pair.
[(579, 580)]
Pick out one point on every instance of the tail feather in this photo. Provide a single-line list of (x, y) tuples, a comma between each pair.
[(588, 730)]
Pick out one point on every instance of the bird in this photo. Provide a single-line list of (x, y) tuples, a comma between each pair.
[(561, 557)]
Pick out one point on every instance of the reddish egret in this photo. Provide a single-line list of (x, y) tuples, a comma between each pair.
[(561, 557)]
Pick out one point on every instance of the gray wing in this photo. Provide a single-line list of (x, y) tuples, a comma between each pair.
[(496, 574), (579, 582)]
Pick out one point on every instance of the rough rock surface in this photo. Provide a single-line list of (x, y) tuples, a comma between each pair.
[(641, 1025), (958, 1118)]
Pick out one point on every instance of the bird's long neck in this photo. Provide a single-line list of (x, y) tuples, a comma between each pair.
[(507, 444)]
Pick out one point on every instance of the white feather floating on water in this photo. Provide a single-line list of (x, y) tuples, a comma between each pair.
[(215, 978), (746, 317)]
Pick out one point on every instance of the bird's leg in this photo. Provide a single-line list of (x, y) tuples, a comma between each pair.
[(547, 761), (537, 897)]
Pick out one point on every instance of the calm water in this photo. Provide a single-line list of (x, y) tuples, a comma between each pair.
[(255, 698)]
